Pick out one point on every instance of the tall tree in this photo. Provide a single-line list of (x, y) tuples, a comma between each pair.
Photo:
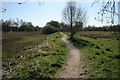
[(74, 16)]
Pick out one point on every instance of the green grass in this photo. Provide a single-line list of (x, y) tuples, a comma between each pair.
[(33, 55), (14, 43), (42, 61), (101, 56), (79, 42)]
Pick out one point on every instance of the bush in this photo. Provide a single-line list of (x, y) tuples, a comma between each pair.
[(49, 29), (79, 42)]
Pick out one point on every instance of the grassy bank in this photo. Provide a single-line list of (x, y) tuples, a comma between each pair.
[(100, 55), (42, 61)]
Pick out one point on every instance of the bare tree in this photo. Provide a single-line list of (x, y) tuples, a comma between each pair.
[(74, 16), (2, 9), (108, 8)]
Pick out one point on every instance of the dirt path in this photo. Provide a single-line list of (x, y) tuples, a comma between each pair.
[(72, 67)]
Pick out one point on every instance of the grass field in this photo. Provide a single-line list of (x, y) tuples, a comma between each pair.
[(15, 43), (98, 34), (41, 61), (34, 55), (100, 54)]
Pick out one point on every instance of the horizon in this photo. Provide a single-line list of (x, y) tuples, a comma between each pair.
[(40, 15)]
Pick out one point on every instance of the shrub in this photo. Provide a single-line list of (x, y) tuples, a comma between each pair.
[(49, 29)]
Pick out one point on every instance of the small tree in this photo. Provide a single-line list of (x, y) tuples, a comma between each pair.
[(73, 15), (49, 29)]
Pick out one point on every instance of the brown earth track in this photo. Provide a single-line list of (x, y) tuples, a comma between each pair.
[(72, 67)]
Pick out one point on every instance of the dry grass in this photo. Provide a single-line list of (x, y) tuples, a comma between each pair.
[(97, 34), (15, 42)]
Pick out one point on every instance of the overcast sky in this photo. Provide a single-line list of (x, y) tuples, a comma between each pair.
[(41, 14)]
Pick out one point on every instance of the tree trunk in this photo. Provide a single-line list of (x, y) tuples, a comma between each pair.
[(71, 37)]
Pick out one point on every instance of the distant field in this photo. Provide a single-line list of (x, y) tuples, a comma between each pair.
[(15, 42), (98, 34), (100, 54)]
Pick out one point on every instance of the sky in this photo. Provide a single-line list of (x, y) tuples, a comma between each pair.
[(119, 12), (39, 15)]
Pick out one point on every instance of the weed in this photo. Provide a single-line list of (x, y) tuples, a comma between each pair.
[(117, 56), (107, 49), (97, 53), (97, 47), (93, 44), (103, 51), (110, 56), (56, 65), (101, 44), (106, 70), (53, 40), (102, 62)]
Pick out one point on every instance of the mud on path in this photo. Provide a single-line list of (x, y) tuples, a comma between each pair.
[(72, 67)]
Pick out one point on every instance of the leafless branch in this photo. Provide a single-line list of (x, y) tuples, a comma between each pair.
[(2, 9), (23, 2), (109, 7), (95, 2), (39, 2)]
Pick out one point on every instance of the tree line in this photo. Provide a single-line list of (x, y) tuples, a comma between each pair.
[(18, 26), (114, 28), (50, 27)]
